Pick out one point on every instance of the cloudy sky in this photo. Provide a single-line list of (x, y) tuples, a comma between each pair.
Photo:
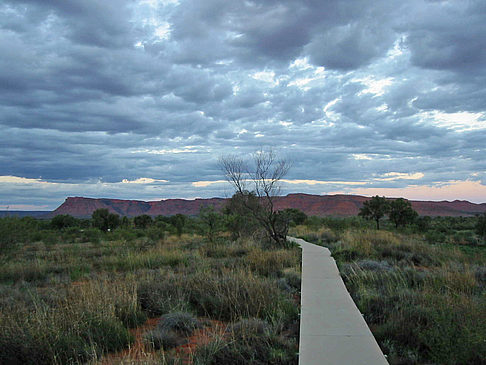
[(138, 99)]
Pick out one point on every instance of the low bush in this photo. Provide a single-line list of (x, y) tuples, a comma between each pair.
[(160, 294), (271, 262), (239, 294), (172, 330), (74, 302), (249, 341), (47, 336), (421, 316), (228, 296)]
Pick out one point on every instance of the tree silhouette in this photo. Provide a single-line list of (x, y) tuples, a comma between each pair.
[(375, 209), (261, 179), (401, 212)]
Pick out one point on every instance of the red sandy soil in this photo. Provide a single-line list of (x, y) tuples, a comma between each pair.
[(200, 337), (139, 353)]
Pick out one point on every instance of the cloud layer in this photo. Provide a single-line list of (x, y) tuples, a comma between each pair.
[(138, 99)]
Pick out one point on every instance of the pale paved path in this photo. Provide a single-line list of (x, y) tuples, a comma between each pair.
[(332, 330)]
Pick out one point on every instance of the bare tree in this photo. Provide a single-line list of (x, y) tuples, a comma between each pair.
[(262, 180)]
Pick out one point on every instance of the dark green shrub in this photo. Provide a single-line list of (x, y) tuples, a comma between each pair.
[(155, 233), (18, 346), (142, 221), (14, 231), (162, 295), (43, 340), (92, 235), (108, 334), (124, 234), (50, 237), (63, 221), (480, 226), (129, 316), (104, 220), (434, 237)]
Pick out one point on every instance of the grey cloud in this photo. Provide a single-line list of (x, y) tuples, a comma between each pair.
[(349, 46), (90, 22), (79, 104), (446, 35)]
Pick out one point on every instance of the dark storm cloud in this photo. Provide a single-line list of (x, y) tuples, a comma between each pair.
[(336, 34), (349, 46), (88, 22), (447, 35)]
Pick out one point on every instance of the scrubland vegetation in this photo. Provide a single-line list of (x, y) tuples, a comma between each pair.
[(72, 291), (421, 288), (81, 291)]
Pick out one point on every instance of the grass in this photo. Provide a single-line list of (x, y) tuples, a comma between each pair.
[(425, 303), (249, 341), (67, 300)]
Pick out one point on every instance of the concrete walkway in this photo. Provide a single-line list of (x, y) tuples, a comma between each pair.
[(332, 330)]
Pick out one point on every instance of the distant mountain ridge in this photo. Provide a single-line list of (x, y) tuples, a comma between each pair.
[(24, 213), (319, 205)]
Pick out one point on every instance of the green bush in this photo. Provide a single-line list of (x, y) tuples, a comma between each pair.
[(92, 235), (60, 337), (14, 231), (229, 296), (160, 295), (434, 237)]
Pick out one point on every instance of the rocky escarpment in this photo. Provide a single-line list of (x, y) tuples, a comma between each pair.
[(319, 205)]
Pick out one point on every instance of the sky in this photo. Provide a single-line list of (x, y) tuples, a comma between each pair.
[(138, 99)]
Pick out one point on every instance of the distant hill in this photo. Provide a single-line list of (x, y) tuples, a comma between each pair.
[(319, 205), (24, 213)]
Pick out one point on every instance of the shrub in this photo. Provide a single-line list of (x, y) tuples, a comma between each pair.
[(63, 221), (229, 296), (434, 237), (142, 221), (153, 259), (155, 233), (159, 295), (60, 335), (251, 341), (247, 328), (92, 235), (292, 278), (237, 295), (15, 230), (172, 330), (271, 262), (374, 265)]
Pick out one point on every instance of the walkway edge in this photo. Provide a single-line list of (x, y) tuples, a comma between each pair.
[(332, 330)]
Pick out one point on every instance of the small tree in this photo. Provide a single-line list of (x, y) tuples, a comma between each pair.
[(125, 222), (295, 216), (261, 180), (178, 221), (62, 221), (211, 220), (375, 209), (423, 223), (142, 221), (401, 212), (481, 226), (104, 220), (237, 219)]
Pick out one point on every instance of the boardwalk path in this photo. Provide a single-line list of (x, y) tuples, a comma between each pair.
[(332, 330)]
